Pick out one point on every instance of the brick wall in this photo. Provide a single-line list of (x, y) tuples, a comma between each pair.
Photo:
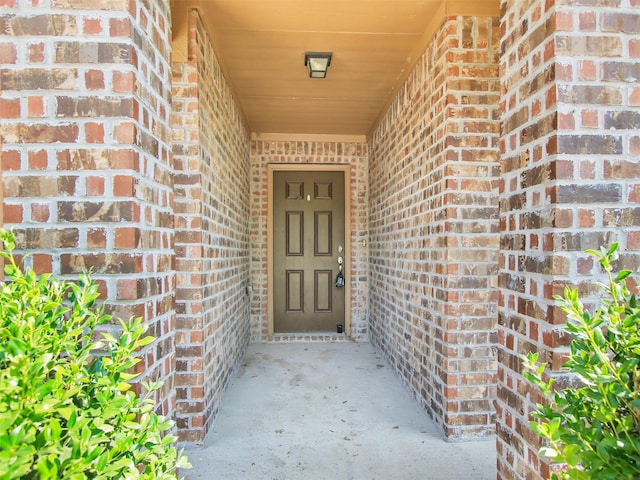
[(87, 179), (304, 152), (433, 223), (570, 181), (211, 154)]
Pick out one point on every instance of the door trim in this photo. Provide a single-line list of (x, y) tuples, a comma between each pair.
[(346, 170)]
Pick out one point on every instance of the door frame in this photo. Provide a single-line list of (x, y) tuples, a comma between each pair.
[(306, 167)]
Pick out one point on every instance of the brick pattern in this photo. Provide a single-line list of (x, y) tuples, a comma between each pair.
[(433, 219), (309, 152), (87, 179), (570, 182), (88, 182), (211, 154)]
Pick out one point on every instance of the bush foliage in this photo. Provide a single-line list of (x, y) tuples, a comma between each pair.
[(67, 409), (594, 426)]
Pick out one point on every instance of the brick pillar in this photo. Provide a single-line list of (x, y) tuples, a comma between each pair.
[(85, 104), (470, 228), (211, 151), (434, 227), (570, 182)]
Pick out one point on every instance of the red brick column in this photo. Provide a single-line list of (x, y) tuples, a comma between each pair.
[(570, 182), (85, 104), (212, 151), (434, 227)]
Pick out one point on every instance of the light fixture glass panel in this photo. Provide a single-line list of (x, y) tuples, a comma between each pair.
[(317, 63)]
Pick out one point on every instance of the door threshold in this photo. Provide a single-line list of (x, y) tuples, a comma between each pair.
[(309, 337)]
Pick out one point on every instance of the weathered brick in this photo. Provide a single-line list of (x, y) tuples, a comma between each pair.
[(92, 53), (581, 194), (115, 5), (39, 79), (58, 25), (97, 159), (598, 144), (29, 186), (101, 263), (36, 52), (94, 107), (39, 133), (618, 71), (40, 213), (35, 238), (627, 120), (620, 22), (590, 94), (77, 211), (600, 46)]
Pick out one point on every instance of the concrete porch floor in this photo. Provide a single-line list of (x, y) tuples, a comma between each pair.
[(332, 411)]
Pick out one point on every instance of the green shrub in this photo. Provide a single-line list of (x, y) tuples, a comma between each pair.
[(67, 409), (593, 424)]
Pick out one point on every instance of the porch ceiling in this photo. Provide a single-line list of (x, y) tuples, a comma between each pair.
[(261, 45)]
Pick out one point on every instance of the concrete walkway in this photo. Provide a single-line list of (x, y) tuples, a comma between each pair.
[(331, 411)]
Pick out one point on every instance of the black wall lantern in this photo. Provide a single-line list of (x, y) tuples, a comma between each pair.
[(317, 63)]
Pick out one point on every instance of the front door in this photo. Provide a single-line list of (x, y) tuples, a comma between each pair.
[(308, 246)]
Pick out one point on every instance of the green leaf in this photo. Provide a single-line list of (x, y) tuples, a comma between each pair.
[(548, 452), (602, 451), (102, 461), (622, 274), (572, 454), (143, 342)]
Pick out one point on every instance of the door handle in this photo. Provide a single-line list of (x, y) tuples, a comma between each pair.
[(340, 277)]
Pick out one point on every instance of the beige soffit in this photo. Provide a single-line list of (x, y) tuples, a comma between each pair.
[(261, 44)]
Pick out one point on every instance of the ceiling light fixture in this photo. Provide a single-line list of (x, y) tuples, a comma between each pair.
[(317, 63)]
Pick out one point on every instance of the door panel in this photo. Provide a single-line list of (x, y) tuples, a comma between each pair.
[(322, 294), (295, 233), (295, 289), (308, 228), (323, 234)]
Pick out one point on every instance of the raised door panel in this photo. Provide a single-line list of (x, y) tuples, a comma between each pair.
[(294, 227)]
